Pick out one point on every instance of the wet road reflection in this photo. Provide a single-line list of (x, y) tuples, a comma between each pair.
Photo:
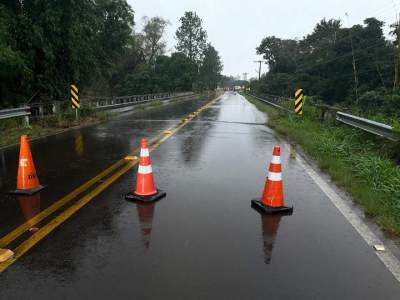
[(269, 226), (30, 207), (146, 213), (79, 148), (204, 241), (65, 161)]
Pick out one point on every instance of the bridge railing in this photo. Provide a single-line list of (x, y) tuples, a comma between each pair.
[(110, 103), (40, 109)]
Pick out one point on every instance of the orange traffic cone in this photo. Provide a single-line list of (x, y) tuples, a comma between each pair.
[(27, 180), (272, 197), (145, 187)]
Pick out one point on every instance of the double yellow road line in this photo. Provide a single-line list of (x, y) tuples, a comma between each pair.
[(112, 173)]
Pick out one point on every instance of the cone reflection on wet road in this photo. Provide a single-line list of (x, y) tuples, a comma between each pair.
[(146, 214), (30, 207), (269, 225)]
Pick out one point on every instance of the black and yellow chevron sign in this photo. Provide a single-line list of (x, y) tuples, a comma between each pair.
[(75, 103), (299, 102)]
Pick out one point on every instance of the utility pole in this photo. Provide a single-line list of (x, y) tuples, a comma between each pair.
[(354, 60), (397, 55), (245, 76), (396, 31), (259, 68)]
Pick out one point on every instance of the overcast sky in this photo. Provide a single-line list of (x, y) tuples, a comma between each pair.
[(236, 27)]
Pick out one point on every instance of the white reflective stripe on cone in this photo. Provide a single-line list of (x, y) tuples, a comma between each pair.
[(144, 152), (274, 176), (145, 169), (276, 160)]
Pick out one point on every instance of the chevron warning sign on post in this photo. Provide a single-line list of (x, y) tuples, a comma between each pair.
[(75, 103), (299, 102)]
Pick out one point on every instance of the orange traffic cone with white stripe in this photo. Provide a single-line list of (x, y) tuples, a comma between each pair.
[(27, 180), (145, 187), (272, 198)]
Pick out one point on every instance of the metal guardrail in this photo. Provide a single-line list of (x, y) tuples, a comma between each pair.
[(16, 112), (367, 125), (370, 126), (270, 103)]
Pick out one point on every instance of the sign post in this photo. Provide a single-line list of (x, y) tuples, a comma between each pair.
[(299, 102), (75, 102)]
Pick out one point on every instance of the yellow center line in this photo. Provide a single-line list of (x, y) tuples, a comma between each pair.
[(8, 238), (5, 240), (45, 230), (62, 217)]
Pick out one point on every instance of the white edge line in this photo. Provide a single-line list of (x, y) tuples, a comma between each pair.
[(387, 257)]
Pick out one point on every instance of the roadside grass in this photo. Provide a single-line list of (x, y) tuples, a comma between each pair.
[(12, 129), (363, 165), (155, 103)]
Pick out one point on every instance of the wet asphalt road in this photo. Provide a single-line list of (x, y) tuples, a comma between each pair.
[(203, 241)]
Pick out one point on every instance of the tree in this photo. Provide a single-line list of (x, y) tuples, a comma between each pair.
[(211, 67), (322, 62), (51, 44), (175, 73), (192, 38), (151, 38), (280, 54)]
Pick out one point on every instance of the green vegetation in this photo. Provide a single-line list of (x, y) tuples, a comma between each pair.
[(359, 162), (46, 45), (357, 67)]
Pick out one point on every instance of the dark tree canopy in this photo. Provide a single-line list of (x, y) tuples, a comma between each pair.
[(192, 38), (211, 67), (45, 45), (322, 63)]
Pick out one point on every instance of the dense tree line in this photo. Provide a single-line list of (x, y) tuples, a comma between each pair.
[(45, 45), (355, 66)]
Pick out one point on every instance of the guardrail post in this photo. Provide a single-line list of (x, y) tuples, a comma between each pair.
[(40, 110), (26, 121), (323, 112), (56, 107)]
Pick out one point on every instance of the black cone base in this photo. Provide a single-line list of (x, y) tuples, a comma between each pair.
[(145, 199), (283, 210), (29, 192)]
